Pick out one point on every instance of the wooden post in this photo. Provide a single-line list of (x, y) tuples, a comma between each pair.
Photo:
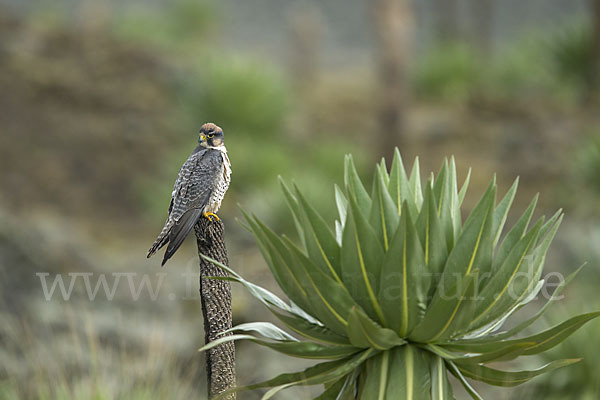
[(216, 307)]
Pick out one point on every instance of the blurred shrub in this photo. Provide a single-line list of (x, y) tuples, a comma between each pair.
[(554, 64), (83, 115), (449, 72), (572, 56), (557, 63), (245, 96), (176, 24), (587, 162), (520, 71)]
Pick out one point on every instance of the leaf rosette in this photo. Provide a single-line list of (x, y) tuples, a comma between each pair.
[(400, 292)]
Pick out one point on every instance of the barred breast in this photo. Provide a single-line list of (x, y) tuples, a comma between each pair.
[(221, 185)]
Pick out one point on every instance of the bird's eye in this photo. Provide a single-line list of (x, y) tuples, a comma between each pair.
[(210, 135)]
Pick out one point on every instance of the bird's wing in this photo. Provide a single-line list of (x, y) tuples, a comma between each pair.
[(191, 193)]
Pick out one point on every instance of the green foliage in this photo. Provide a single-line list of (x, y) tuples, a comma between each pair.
[(250, 98), (181, 24), (402, 291), (572, 55), (522, 71), (450, 72), (556, 63), (587, 162)]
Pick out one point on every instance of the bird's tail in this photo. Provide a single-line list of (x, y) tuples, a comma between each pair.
[(180, 230), (160, 241)]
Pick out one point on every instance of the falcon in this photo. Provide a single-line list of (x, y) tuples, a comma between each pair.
[(199, 189)]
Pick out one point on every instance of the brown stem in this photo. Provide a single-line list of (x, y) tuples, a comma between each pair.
[(216, 307)]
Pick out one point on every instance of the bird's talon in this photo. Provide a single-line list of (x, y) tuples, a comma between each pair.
[(209, 215)]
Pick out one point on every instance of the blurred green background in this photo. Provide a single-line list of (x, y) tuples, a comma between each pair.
[(100, 104)]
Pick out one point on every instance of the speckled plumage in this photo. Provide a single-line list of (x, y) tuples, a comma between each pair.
[(200, 187)]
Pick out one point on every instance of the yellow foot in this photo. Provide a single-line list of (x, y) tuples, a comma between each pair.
[(209, 215)]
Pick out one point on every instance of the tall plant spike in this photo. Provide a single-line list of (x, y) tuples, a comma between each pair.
[(397, 292)]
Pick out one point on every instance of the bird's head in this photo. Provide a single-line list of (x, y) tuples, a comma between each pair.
[(211, 136)]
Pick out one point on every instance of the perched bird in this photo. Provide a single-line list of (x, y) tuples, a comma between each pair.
[(199, 189)]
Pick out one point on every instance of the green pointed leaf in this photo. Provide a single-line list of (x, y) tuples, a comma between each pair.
[(384, 216), (273, 391), (541, 341), (341, 203), (364, 332), (322, 289), (473, 247), (345, 391), (439, 351), (464, 188), (321, 373), (443, 310), (514, 235), (439, 187), (455, 201), (440, 386), (404, 281), (322, 247), (309, 350), (498, 296), (555, 295), (291, 348), (545, 340), (333, 390), (399, 187), (327, 306), (399, 373), (458, 323), (442, 192), (505, 353), (362, 255), (308, 329), (342, 206), (414, 183), (456, 372), (377, 373), (519, 291), (547, 233), (432, 239), (265, 329), (294, 208), (354, 186), (263, 295), (280, 268), (224, 339), (384, 173), (550, 224), (501, 211), (508, 378), (409, 374)]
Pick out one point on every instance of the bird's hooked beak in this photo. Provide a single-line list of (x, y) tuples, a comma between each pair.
[(202, 138)]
